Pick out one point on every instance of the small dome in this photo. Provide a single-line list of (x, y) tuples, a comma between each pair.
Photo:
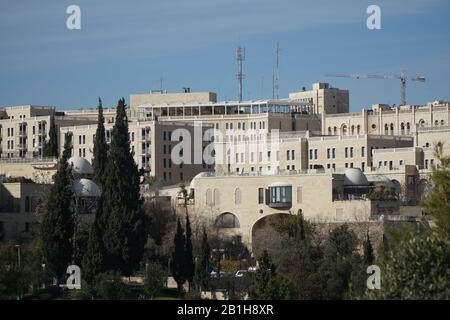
[(201, 174), (355, 177), (86, 188), (80, 165)]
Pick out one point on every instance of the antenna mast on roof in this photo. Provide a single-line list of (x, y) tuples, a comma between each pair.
[(240, 76), (276, 78)]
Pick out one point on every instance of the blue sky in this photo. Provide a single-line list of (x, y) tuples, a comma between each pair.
[(126, 47)]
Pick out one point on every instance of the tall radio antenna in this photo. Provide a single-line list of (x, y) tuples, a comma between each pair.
[(240, 76), (276, 78)]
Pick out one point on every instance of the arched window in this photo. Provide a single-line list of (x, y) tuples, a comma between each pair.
[(237, 196), (329, 131), (442, 122), (353, 130), (227, 220), (334, 130), (436, 123), (392, 129), (358, 129), (343, 129), (402, 128), (386, 129), (422, 122), (408, 128)]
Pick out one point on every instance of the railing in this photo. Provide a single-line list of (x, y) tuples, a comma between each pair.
[(28, 160)]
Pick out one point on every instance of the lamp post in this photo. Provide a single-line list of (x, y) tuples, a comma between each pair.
[(18, 253)]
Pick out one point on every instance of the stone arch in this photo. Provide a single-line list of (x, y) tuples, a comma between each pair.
[(227, 220), (263, 235), (343, 129)]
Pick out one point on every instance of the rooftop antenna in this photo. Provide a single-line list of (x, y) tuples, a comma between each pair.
[(240, 76), (276, 83), (161, 84)]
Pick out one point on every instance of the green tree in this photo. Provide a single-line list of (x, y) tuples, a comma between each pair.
[(189, 256), (51, 147), (202, 265), (336, 266), (267, 285), (417, 269), (154, 279), (179, 256), (109, 286), (100, 156), (300, 257), (437, 203), (93, 259), (368, 251), (122, 222), (58, 224)]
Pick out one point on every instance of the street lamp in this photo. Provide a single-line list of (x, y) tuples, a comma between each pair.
[(18, 253)]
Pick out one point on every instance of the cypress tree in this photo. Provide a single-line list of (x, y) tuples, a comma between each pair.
[(100, 156), (58, 224), (368, 251), (178, 256), (93, 260), (189, 259), (301, 225), (51, 147), (122, 220), (203, 263)]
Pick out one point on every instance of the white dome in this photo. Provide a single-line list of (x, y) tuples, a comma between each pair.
[(86, 188), (201, 174), (355, 177), (80, 165)]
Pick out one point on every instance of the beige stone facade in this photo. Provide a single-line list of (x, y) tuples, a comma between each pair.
[(23, 129), (151, 144), (324, 98), (18, 202), (236, 203), (385, 120)]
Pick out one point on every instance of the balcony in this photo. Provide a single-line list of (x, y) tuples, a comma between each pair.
[(280, 196)]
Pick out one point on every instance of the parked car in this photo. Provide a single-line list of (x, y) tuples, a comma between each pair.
[(240, 273), (214, 274)]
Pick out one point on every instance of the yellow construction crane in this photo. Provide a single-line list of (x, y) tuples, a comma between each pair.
[(402, 77)]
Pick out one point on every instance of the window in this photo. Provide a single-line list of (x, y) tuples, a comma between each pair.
[(280, 195), (288, 154), (346, 152), (293, 154), (260, 195), (363, 151), (164, 135), (328, 153), (401, 162), (333, 153), (351, 152), (315, 154)]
